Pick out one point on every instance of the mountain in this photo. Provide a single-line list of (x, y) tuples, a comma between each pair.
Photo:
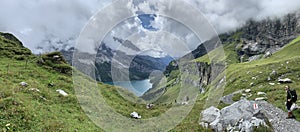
[(256, 40), (256, 57), (139, 66), (260, 38)]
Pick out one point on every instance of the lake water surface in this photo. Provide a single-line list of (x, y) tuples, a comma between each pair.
[(136, 87)]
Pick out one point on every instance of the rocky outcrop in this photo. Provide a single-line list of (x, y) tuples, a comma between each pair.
[(245, 115), (55, 61), (196, 74), (204, 71), (240, 116), (256, 39), (10, 37), (228, 98), (262, 39), (208, 73), (11, 47)]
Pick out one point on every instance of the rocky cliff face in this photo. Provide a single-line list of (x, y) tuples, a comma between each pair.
[(205, 72), (262, 39), (253, 41), (256, 38)]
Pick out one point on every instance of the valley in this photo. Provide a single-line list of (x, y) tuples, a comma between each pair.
[(255, 57)]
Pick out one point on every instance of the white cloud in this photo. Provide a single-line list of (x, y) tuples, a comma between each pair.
[(57, 23), (227, 15), (37, 21)]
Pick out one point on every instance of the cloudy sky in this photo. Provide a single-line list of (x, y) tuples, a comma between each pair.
[(45, 25)]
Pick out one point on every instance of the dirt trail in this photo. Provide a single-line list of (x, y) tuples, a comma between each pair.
[(277, 118)]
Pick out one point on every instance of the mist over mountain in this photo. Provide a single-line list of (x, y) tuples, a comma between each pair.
[(107, 59), (45, 26)]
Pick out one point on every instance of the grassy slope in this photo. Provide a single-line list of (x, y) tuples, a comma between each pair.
[(230, 55), (285, 62), (26, 110)]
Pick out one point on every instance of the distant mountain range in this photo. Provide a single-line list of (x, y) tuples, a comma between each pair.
[(139, 66)]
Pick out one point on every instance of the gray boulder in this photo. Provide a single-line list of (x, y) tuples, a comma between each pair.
[(240, 116), (261, 93), (135, 115), (210, 114), (24, 84)]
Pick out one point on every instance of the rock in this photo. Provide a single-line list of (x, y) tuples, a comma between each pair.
[(135, 115), (285, 80), (260, 98), (185, 103), (273, 73), (272, 84), (210, 114), (268, 54), (41, 61), (261, 93), (256, 122), (246, 126), (240, 116), (250, 95), (219, 127), (228, 98), (247, 90), (34, 89), (229, 128), (50, 85), (148, 106), (269, 79), (203, 124), (233, 113), (253, 58), (254, 78), (215, 123), (43, 98), (56, 57), (251, 84), (62, 92), (24, 84)]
